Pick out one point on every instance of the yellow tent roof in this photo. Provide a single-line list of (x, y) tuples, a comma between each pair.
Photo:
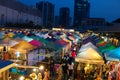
[(11, 34), (89, 56), (24, 45)]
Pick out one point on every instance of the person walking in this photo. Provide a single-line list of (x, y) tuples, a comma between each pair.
[(46, 75), (118, 74), (112, 73), (78, 70), (39, 76), (65, 72), (59, 71), (70, 67)]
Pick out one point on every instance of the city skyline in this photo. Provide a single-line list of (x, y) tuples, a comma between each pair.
[(107, 9)]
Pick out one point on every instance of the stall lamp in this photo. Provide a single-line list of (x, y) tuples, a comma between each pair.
[(34, 69), (22, 78), (16, 64), (18, 54), (41, 67), (88, 65)]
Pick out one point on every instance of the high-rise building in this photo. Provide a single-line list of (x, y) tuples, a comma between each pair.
[(70, 21), (13, 11), (56, 20), (81, 10), (47, 10), (64, 16)]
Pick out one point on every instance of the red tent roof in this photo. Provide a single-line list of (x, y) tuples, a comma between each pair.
[(61, 41), (35, 43)]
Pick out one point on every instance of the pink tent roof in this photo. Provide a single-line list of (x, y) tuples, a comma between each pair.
[(35, 43)]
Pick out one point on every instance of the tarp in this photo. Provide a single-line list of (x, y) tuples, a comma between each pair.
[(113, 55), (89, 56)]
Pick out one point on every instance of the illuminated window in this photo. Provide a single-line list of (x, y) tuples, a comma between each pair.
[(78, 4)]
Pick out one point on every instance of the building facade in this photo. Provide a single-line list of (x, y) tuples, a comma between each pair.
[(13, 11), (47, 11), (81, 10), (93, 22), (64, 16)]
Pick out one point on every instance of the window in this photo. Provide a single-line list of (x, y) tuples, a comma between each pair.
[(78, 4)]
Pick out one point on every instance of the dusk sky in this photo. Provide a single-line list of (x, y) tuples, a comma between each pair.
[(108, 9)]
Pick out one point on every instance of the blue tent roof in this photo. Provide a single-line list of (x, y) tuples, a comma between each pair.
[(4, 63), (113, 54), (51, 39)]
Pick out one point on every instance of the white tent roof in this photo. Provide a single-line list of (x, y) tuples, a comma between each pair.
[(27, 39), (89, 56), (86, 46)]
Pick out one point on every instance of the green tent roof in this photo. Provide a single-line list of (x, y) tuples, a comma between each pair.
[(105, 48), (40, 39)]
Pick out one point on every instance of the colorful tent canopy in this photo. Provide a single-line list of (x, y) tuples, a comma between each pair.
[(105, 48), (66, 40), (113, 55), (86, 46), (8, 41), (19, 35), (51, 39), (26, 38), (51, 45), (103, 43), (72, 38), (11, 34), (88, 40), (89, 56), (39, 39), (12, 43), (62, 42), (1, 34), (35, 43), (24, 45), (5, 65)]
